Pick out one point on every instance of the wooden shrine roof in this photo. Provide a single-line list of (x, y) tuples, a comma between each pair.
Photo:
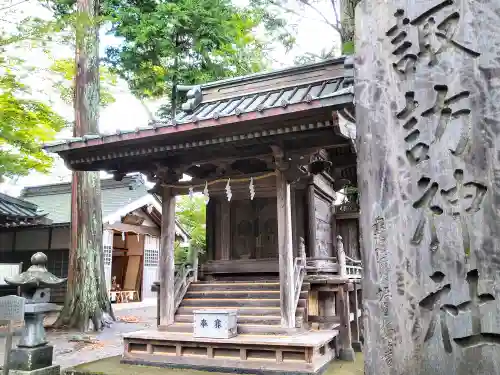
[(238, 112)]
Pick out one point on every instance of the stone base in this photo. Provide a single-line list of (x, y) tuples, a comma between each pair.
[(347, 354), (357, 346), (29, 359), (50, 370)]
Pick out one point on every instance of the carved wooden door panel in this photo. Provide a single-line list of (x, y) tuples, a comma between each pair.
[(242, 230), (267, 225)]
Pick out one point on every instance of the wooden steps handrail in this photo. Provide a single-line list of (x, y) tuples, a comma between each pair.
[(299, 272)]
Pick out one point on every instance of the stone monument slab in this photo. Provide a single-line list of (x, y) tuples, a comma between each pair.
[(427, 89), (12, 308)]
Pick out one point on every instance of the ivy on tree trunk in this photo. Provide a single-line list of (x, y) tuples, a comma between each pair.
[(87, 304)]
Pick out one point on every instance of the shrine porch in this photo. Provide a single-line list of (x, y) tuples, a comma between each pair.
[(301, 353)]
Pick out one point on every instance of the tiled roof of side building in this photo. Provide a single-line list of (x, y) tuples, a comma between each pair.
[(19, 209)]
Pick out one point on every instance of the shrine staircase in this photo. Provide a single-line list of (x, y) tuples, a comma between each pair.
[(257, 303)]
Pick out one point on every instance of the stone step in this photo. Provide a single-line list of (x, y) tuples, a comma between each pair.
[(261, 329), (236, 302), (247, 286), (241, 310), (242, 319), (232, 294)]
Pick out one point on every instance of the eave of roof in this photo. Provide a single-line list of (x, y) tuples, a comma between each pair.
[(277, 72), (338, 97)]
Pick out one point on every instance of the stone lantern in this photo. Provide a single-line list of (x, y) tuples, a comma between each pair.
[(33, 355)]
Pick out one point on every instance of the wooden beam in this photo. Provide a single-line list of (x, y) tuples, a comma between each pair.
[(167, 267), (343, 161), (285, 251), (323, 319)]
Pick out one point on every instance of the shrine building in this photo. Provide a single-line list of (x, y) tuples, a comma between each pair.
[(271, 152)]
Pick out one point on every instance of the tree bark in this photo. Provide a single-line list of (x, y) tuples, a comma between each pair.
[(87, 304), (347, 27)]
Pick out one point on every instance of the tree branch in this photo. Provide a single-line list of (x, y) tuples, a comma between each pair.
[(337, 17), (323, 17), (13, 5)]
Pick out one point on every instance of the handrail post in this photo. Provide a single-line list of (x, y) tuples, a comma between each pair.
[(302, 250), (341, 257)]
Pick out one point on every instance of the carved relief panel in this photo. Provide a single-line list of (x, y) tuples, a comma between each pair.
[(324, 244)]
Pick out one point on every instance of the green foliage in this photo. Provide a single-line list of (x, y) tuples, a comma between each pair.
[(180, 253), (191, 213), (25, 123), (351, 193), (64, 70), (166, 43), (348, 48)]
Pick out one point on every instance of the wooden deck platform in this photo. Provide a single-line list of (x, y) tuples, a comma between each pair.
[(304, 352)]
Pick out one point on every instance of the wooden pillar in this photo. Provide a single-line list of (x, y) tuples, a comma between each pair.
[(167, 266), (225, 229), (355, 309), (285, 251), (342, 309), (311, 221), (333, 224), (295, 240)]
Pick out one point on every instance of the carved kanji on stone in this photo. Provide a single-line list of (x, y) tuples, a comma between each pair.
[(203, 323), (217, 324), (465, 198), (417, 150), (428, 209), (429, 34), (446, 108), (433, 303), (478, 337)]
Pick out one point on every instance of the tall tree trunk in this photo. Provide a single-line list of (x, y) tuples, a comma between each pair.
[(87, 298), (347, 12)]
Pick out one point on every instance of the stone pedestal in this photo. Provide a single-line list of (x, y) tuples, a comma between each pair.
[(427, 93), (28, 359), (51, 370)]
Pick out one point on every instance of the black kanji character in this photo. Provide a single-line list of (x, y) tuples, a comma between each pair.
[(217, 324)]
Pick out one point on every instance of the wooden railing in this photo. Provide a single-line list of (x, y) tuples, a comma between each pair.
[(184, 276), (342, 265), (348, 267), (299, 272)]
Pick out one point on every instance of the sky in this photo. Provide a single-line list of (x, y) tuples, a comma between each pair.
[(127, 112)]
